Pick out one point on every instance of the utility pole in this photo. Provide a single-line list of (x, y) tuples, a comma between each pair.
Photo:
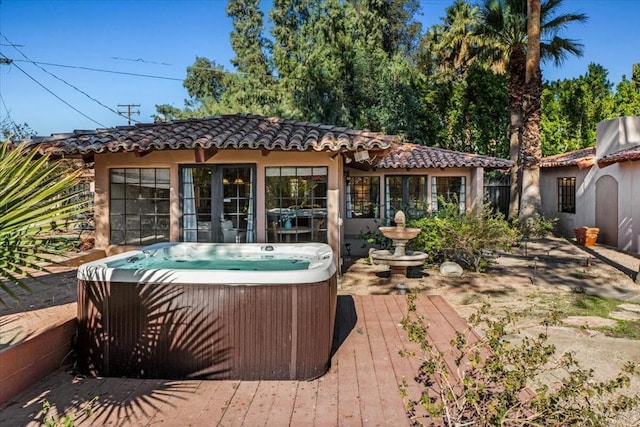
[(128, 112)]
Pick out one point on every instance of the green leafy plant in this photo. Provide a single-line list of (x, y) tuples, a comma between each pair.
[(487, 380), (535, 226), (465, 238), (67, 419), (374, 237), (34, 195)]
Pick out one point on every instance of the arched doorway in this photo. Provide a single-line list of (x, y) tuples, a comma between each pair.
[(607, 210)]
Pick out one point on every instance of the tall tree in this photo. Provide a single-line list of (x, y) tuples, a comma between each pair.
[(627, 98), (531, 202), (252, 87), (448, 49), (573, 107), (505, 27)]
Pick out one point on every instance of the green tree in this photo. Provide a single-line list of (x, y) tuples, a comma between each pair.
[(627, 97), (448, 49), (34, 195), (205, 80), (505, 28), (572, 108)]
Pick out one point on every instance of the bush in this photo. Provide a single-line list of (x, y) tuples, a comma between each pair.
[(535, 226), (483, 381), (375, 238), (462, 237)]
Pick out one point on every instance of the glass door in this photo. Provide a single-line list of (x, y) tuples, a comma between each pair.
[(218, 203)]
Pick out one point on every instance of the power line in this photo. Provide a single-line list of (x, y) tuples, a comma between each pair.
[(101, 70), (144, 61), (57, 97), (63, 81)]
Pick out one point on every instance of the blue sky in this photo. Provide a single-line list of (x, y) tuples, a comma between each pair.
[(162, 38)]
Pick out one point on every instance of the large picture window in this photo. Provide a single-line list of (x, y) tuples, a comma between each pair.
[(407, 193), (296, 199), (138, 206), (450, 189), (567, 195), (363, 197)]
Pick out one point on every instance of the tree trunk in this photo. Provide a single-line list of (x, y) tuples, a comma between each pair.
[(530, 202), (515, 88)]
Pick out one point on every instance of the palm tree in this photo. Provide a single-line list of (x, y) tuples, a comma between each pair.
[(505, 29), (35, 193), (450, 47)]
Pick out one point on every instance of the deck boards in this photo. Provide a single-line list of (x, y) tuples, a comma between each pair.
[(360, 388)]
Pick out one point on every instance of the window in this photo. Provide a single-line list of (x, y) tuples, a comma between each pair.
[(218, 203), (449, 188), (138, 206), (407, 193), (567, 195), (296, 200), (363, 194)]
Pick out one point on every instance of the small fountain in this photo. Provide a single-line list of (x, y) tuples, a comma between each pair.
[(400, 258)]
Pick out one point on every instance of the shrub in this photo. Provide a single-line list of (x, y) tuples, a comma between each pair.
[(535, 226), (374, 237), (462, 237), (486, 381)]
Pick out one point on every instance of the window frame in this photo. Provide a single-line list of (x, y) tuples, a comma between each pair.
[(566, 188), (407, 200), (461, 194), (358, 197), (306, 210), (156, 223)]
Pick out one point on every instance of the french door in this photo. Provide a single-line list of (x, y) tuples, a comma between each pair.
[(218, 203)]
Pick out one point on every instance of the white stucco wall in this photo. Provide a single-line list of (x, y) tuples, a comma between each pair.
[(549, 193), (613, 135), (617, 134)]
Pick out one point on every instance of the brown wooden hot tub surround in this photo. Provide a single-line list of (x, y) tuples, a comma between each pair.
[(214, 331)]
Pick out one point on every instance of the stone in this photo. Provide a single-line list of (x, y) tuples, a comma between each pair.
[(589, 321), (449, 268), (624, 315), (630, 307)]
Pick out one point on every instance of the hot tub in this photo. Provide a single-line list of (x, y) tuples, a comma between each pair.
[(206, 310)]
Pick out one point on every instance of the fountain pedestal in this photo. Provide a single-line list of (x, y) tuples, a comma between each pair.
[(400, 258)]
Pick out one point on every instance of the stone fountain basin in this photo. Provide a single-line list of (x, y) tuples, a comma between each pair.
[(399, 233), (386, 257)]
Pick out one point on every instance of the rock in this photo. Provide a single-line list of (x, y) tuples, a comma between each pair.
[(589, 321), (624, 315), (449, 268), (630, 307)]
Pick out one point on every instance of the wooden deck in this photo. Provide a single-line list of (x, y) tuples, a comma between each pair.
[(361, 387)]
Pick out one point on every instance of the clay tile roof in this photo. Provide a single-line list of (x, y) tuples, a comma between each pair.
[(419, 156), (626, 155), (225, 131), (582, 158)]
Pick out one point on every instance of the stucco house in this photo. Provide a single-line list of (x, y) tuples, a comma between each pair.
[(248, 178), (598, 186)]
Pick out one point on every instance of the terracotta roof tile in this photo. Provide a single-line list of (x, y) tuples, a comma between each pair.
[(582, 158), (419, 156), (225, 131), (626, 155)]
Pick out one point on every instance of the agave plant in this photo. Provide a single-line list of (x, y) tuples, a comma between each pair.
[(35, 193)]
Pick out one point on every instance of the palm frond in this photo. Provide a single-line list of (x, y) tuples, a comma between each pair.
[(35, 193)]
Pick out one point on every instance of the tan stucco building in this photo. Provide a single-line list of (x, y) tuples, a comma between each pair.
[(246, 178)]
